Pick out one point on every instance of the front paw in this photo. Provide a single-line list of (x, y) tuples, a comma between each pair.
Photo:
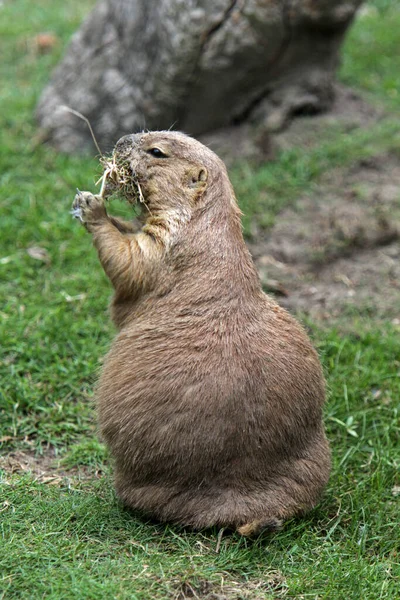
[(88, 208)]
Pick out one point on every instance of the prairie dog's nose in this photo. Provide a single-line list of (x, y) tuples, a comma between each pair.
[(127, 141)]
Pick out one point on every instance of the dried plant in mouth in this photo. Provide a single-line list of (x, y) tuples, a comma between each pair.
[(118, 175)]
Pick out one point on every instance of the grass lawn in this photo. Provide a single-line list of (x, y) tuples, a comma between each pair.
[(65, 536)]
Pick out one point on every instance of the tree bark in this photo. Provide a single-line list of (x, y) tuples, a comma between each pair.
[(194, 65)]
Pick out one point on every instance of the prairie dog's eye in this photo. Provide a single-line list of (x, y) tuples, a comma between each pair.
[(156, 152)]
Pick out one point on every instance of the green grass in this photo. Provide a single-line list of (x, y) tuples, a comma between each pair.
[(371, 58), (73, 539)]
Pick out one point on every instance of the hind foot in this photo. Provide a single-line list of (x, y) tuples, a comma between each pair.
[(258, 525)]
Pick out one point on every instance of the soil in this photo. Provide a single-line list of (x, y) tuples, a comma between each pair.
[(272, 583), (338, 251), (45, 468)]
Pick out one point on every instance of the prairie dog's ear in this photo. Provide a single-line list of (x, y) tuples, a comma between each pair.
[(198, 178)]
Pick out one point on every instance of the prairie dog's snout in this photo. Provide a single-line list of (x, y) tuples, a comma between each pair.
[(127, 142)]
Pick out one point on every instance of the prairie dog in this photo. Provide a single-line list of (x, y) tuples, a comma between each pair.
[(210, 398)]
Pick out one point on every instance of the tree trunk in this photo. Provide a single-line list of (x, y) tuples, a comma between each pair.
[(194, 65)]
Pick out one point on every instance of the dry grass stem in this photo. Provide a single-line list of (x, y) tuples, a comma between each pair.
[(81, 116), (121, 177)]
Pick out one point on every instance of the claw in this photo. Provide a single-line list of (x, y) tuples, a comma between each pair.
[(77, 213)]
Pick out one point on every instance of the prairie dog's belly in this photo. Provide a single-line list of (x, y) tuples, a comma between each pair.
[(164, 405)]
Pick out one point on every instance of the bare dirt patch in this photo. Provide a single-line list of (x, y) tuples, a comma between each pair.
[(338, 251), (273, 583), (349, 111), (45, 468)]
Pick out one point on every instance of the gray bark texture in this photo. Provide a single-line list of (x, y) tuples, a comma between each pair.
[(194, 65)]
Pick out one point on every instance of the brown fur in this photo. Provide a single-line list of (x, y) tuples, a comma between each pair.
[(210, 397)]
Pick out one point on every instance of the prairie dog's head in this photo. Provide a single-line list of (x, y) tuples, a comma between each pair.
[(168, 170)]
